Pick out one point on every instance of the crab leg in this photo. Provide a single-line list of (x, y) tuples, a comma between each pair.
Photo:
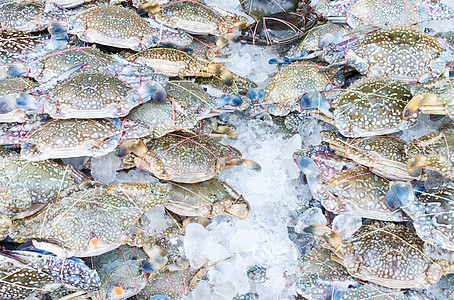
[(427, 103)]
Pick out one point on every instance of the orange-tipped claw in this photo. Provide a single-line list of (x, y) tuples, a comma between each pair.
[(417, 101), (149, 7), (416, 164), (222, 72), (324, 231)]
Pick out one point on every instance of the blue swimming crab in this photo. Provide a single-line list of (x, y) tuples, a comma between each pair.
[(62, 64), (91, 95), (105, 25), (207, 199), (91, 218), (78, 137), (70, 271), (355, 189), (283, 94), (383, 155), (29, 15), (177, 63), (401, 53), (384, 13), (26, 187), (386, 254), (183, 157), (368, 107), (12, 90), (431, 211)]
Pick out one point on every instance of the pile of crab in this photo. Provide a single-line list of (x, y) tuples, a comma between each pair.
[(144, 83)]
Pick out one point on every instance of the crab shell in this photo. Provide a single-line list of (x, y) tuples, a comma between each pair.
[(21, 281), (78, 137), (383, 155), (12, 90), (401, 53), (207, 199), (120, 272), (390, 255), (183, 157), (359, 191), (98, 96), (27, 186), (29, 16), (119, 27), (195, 18), (70, 271), (65, 62), (384, 13), (371, 106), (177, 63), (90, 219), (283, 93)]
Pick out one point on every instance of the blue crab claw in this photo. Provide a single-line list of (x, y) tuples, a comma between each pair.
[(311, 174), (175, 46), (156, 261), (59, 30), (274, 61), (318, 101), (334, 293), (154, 90), (256, 94), (232, 100), (149, 7), (400, 194), (417, 101), (16, 69), (28, 102), (325, 232)]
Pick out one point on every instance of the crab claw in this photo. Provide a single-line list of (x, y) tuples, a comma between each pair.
[(232, 100), (417, 101), (222, 72), (226, 39), (16, 69), (157, 259), (28, 102), (250, 164), (256, 94), (416, 164), (400, 194), (59, 30), (312, 175), (154, 90), (325, 232), (240, 210), (318, 101), (226, 131), (149, 7)]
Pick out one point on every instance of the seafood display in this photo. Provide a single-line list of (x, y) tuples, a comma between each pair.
[(146, 149)]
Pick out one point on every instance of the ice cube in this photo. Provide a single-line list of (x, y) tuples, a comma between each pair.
[(347, 224), (104, 168)]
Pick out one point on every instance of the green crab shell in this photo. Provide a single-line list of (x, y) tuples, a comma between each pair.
[(185, 157), (94, 220), (360, 191), (372, 106), (401, 53), (287, 87), (392, 255)]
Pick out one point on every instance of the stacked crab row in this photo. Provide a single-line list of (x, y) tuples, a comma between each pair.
[(62, 98), (366, 74)]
